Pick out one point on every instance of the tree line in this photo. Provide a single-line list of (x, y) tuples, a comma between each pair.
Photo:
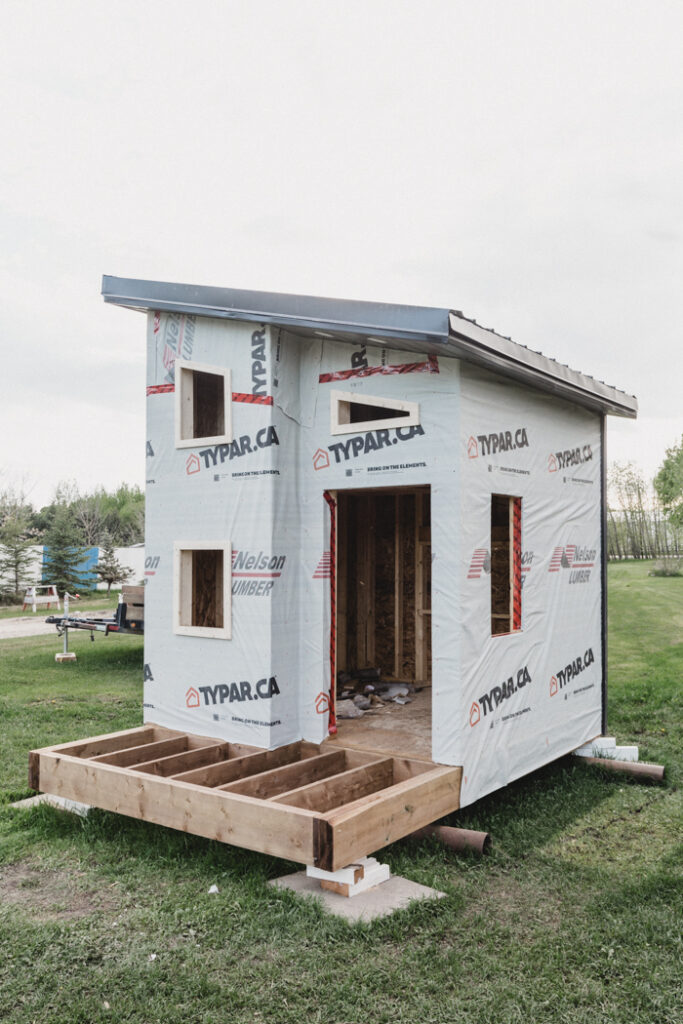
[(67, 527)]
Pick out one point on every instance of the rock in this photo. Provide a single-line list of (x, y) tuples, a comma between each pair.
[(347, 709)]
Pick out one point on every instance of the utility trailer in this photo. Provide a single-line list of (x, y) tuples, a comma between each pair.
[(129, 616)]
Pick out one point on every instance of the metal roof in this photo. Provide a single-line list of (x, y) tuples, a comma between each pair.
[(440, 332)]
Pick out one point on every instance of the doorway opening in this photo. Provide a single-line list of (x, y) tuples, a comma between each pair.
[(383, 607)]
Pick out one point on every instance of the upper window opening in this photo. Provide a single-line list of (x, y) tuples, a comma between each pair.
[(350, 412), (203, 405), (506, 564)]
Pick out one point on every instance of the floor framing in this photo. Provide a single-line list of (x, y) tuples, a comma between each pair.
[(313, 804)]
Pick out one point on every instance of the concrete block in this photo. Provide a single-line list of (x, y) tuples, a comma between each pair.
[(378, 901), (60, 802)]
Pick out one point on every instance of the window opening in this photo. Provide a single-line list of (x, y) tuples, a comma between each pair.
[(350, 412), (203, 405), (506, 564), (202, 590)]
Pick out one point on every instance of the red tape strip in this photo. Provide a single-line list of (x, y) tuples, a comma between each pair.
[(237, 396), (431, 365)]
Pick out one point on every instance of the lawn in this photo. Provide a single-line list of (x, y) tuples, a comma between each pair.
[(99, 601), (574, 917)]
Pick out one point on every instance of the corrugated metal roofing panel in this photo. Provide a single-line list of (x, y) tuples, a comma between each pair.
[(416, 328)]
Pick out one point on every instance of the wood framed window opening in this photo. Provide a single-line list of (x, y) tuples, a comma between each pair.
[(506, 564), (203, 405), (202, 594), (351, 413)]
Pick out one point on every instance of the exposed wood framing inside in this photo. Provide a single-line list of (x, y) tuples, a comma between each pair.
[(321, 805), (384, 582)]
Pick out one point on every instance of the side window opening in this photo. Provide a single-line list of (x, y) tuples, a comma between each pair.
[(203, 405), (350, 412), (202, 590), (506, 564)]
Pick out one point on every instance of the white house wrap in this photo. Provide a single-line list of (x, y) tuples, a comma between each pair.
[(485, 427)]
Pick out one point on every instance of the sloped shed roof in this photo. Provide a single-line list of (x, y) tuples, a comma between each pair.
[(440, 332)]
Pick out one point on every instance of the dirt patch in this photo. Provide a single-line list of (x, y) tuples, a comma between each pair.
[(49, 894)]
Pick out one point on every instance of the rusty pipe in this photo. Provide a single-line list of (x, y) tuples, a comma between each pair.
[(638, 769), (458, 839)]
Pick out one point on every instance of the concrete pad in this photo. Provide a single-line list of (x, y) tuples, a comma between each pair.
[(380, 901), (60, 802)]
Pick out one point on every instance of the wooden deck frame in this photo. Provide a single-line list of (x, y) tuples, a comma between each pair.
[(304, 802)]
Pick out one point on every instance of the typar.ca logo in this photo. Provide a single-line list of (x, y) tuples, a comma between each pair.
[(321, 459), (192, 465), (500, 441), (322, 703), (475, 713), (192, 698), (569, 457), (575, 667)]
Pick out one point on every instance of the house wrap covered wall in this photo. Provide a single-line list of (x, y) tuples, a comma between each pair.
[(502, 705)]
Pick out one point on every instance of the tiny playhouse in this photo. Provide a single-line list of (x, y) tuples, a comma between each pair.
[(340, 492)]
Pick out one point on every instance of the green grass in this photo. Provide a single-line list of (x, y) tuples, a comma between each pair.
[(88, 603), (574, 917)]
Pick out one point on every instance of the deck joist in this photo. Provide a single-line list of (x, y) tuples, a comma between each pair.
[(305, 802)]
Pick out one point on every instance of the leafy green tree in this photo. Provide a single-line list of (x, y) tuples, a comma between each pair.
[(669, 483), (108, 567), (16, 539), (64, 553)]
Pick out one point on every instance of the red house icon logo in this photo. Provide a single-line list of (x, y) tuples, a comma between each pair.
[(321, 459), (322, 703), (553, 686), (472, 449), (192, 698), (193, 465), (552, 463), (475, 713)]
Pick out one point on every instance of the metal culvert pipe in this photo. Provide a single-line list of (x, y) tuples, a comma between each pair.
[(655, 772), (458, 839)]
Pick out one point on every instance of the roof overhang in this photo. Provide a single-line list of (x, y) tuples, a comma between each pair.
[(440, 332)]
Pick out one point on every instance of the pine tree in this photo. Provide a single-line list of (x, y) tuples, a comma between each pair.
[(64, 553), (16, 538), (108, 567)]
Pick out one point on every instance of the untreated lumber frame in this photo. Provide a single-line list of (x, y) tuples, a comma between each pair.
[(303, 802)]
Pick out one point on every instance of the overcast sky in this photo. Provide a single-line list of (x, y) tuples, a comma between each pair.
[(521, 162)]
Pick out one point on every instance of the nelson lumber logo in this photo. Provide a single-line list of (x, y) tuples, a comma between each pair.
[(579, 560)]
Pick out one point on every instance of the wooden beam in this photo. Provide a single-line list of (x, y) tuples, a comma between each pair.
[(376, 820), (365, 580), (34, 770), (340, 789), (241, 767), (280, 780), (130, 756), (398, 588), (196, 758), (342, 602), (227, 817), (420, 666), (95, 745)]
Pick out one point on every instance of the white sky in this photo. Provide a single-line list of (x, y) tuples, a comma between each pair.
[(521, 162)]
